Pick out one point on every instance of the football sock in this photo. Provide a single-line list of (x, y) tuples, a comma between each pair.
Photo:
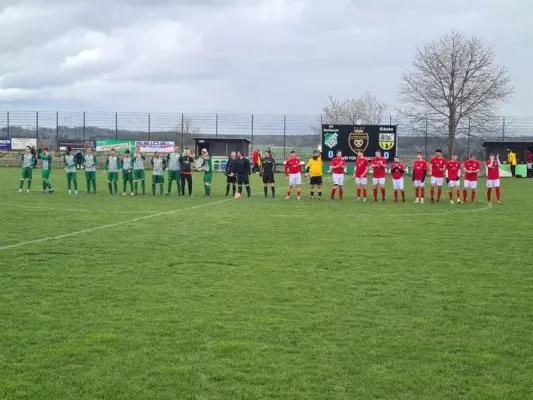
[(498, 193), (312, 193), (432, 193), (364, 193), (403, 195), (383, 193), (29, 183), (375, 191), (439, 193), (422, 193), (131, 186), (170, 187), (451, 195), (94, 184), (240, 189), (44, 185), (465, 195), (273, 189), (298, 192), (265, 190), (341, 193), (417, 193), (473, 196), (395, 195), (143, 185), (115, 187), (21, 185), (288, 192), (110, 187), (234, 188), (248, 191), (161, 188), (227, 189), (458, 194), (489, 194), (333, 191), (319, 192), (358, 192), (208, 190), (69, 184), (136, 186), (88, 186), (153, 189)]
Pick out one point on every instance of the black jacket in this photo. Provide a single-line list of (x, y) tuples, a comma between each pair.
[(243, 166)]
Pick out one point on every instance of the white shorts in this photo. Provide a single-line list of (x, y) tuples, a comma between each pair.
[(419, 184), (397, 184), (493, 183), (470, 185), (454, 184), (436, 181), (378, 181), (361, 181), (338, 179), (295, 179)]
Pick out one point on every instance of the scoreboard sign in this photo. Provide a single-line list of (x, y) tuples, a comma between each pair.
[(351, 138)]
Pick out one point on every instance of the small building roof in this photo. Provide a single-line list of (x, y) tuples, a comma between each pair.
[(222, 139)]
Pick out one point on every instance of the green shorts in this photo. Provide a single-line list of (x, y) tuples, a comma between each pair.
[(127, 176), (208, 178), (173, 176), (72, 176), (26, 173), (90, 175), (112, 176), (45, 174), (138, 174), (158, 179)]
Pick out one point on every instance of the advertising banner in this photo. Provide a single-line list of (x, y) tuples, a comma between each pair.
[(5, 144), (152, 146), (75, 144), (119, 145), (21, 143)]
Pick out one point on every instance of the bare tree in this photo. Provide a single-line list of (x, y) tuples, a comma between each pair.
[(185, 131), (454, 80), (367, 109)]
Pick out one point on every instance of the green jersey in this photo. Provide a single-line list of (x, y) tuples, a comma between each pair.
[(89, 162), (207, 165), (158, 166), (70, 163), (112, 164), (138, 161), (173, 161), (126, 164), (47, 161), (27, 160)]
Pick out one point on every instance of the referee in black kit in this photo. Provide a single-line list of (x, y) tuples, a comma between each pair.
[(243, 169), (268, 167), (231, 173)]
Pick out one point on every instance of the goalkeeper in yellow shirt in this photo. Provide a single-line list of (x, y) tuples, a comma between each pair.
[(314, 171)]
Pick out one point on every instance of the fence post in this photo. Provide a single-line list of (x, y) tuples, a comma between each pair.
[(84, 129), (116, 125), (182, 129), (284, 134), (57, 130), (426, 144), (390, 119), (468, 141), (252, 130), (149, 133), (37, 126), (8, 135), (503, 130), (216, 125)]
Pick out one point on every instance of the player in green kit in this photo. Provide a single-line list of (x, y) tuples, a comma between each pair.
[(89, 164), (207, 167), (126, 165), (46, 158), (158, 167), (173, 166), (112, 166), (27, 162), (70, 168), (138, 170)]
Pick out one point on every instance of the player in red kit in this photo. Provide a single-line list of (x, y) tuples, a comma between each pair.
[(493, 177), (293, 173), (397, 170), (378, 175), (360, 174), (454, 177), (438, 167), (420, 170), (338, 167), (471, 168)]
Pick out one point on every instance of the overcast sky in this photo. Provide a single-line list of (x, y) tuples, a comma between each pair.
[(238, 56)]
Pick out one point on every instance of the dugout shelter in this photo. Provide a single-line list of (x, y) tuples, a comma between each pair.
[(221, 146), (520, 148)]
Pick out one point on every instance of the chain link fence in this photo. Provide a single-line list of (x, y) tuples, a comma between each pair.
[(282, 133)]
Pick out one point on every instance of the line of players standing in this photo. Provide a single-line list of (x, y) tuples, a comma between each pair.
[(438, 167)]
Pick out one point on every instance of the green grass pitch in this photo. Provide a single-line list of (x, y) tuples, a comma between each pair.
[(111, 297)]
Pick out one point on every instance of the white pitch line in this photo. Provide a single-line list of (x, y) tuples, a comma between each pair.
[(46, 239)]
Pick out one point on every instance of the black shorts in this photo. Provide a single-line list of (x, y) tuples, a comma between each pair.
[(243, 179), (231, 179), (268, 177), (315, 180)]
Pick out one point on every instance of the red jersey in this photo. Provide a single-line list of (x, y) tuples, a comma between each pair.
[(420, 167), (398, 170), (493, 170), (338, 165), (292, 166), (472, 165), (438, 166), (361, 167), (454, 170), (378, 166), (255, 157)]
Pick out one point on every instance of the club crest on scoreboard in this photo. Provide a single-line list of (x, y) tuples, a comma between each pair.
[(331, 139), (358, 140), (387, 140)]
